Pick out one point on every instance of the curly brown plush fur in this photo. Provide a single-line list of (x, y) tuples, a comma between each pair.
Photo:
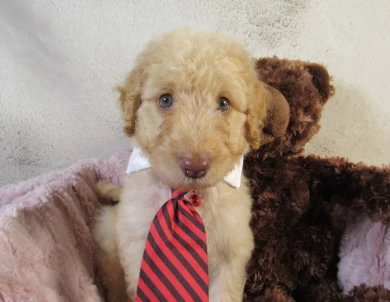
[(300, 203)]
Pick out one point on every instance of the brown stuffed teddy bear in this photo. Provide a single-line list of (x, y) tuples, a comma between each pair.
[(301, 202)]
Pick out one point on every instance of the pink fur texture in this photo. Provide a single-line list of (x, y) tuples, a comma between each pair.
[(46, 248), (365, 254)]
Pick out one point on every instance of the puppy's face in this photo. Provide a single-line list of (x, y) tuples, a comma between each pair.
[(195, 106)]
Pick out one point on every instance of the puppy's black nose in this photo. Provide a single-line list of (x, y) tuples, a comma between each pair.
[(194, 168)]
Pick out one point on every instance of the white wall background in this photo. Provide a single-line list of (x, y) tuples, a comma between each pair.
[(60, 59)]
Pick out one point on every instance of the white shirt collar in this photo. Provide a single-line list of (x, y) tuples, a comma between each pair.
[(139, 162)]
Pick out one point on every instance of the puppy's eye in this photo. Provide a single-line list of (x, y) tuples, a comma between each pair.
[(223, 104), (166, 101)]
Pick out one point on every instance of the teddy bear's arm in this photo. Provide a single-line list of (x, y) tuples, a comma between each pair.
[(364, 293), (365, 189)]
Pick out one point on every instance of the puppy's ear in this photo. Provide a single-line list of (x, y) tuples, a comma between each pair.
[(130, 100), (267, 116)]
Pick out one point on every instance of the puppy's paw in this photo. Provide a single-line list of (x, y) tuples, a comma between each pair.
[(108, 193)]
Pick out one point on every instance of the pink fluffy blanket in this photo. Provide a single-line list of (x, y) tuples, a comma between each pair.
[(46, 247)]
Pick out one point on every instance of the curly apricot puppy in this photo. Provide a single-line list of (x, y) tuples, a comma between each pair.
[(193, 106)]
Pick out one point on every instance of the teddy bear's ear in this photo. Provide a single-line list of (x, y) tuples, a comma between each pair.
[(277, 117), (321, 80)]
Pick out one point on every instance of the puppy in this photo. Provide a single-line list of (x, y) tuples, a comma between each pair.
[(193, 106)]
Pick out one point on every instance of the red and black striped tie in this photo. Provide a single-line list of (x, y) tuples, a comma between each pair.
[(175, 264)]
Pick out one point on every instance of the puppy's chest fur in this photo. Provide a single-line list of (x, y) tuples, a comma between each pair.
[(224, 210)]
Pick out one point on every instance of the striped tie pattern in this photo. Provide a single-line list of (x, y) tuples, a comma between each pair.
[(175, 264)]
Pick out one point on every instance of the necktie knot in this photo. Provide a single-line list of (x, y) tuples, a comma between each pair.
[(189, 197)]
